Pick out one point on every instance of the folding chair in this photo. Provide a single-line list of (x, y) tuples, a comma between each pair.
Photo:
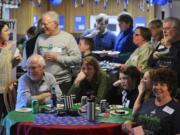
[(9, 96)]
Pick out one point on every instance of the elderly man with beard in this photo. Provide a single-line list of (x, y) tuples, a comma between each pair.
[(171, 31)]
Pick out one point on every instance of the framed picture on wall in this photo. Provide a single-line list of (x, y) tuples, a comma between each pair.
[(79, 23)]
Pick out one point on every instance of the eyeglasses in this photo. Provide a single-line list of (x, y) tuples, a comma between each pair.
[(168, 28), (46, 23), (136, 34), (28, 68)]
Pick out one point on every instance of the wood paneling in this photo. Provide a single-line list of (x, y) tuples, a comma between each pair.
[(25, 13)]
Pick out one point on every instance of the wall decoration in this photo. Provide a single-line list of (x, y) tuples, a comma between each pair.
[(96, 2), (105, 4), (35, 20), (82, 3), (62, 22), (79, 23), (125, 2), (118, 2), (140, 21), (56, 2), (142, 5), (75, 3), (39, 3)]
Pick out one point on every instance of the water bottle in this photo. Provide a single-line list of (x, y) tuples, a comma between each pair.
[(53, 98), (91, 110)]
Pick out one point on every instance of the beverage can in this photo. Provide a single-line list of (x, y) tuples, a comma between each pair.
[(103, 104), (35, 106)]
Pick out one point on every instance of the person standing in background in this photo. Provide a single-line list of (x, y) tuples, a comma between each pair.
[(30, 45), (156, 27), (103, 38), (8, 61), (124, 41), (59, 50)]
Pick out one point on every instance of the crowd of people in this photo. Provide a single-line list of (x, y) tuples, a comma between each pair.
[(149, 63)]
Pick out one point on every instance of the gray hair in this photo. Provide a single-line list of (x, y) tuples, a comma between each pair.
[(35, 57), (175, 21), (102, 17), (53, 15)]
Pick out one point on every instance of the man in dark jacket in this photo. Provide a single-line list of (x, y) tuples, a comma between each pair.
[(171, 30)]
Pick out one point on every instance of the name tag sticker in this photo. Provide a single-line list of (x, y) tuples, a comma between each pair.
[(57, 49), (43, 88), (168, 110)]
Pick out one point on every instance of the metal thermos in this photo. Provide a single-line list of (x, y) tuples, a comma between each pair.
[(53, 98), (91, 115)]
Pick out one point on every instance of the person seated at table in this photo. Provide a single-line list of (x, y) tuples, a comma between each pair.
[(145, 90), (91, 81), (85, 45), (159, 115), (140, 56), (36, 83), (128, 80)]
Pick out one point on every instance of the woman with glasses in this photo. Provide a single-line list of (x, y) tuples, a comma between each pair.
[(140, 56)]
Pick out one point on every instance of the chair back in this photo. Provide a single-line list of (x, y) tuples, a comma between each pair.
[(9, 95)]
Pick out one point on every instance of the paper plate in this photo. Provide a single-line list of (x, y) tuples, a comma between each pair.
[(99, 52), (97, 108), (115, 107), (113, 53), (119, 112), (24, 110)]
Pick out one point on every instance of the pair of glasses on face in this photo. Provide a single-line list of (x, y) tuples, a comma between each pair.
[(32, 68), (47, 23), (136, 34), (168, 28)]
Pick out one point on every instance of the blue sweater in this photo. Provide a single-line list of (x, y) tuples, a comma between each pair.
[(124, 43), (104, 41)]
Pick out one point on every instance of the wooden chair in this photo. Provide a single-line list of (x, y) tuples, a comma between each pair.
[(9, 95)]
